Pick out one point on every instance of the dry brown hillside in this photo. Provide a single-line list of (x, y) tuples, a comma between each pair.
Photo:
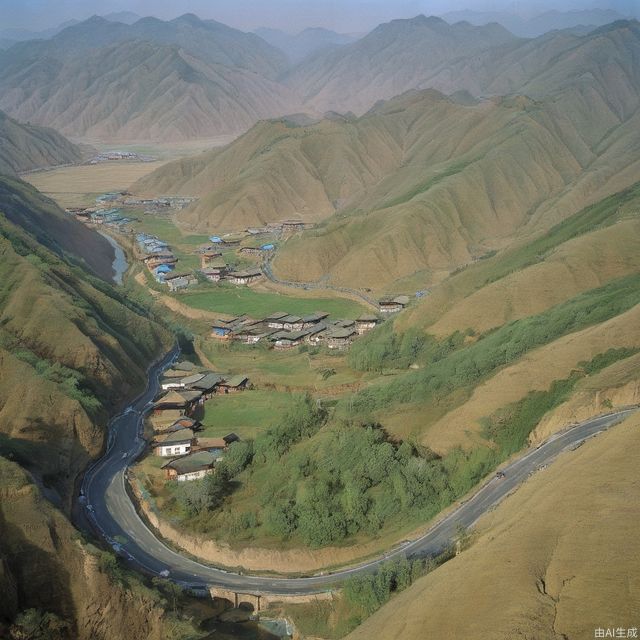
[(26, 147), (155, 80), (557, 560), (393, 58), (44, 565)]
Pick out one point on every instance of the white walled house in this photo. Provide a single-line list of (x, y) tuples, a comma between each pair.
[(177, 443)]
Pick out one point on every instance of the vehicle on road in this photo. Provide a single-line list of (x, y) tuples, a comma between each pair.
[(500, 475)]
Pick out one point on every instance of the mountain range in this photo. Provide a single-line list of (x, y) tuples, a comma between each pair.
[(393, 58), (424, 182), (189, 78), (154, 80), (537, 25)]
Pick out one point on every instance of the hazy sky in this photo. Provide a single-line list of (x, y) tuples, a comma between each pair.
[(290, 15)]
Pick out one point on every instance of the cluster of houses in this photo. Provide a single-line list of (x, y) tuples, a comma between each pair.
[(284, 331), (103, 213), (111, 156), (158, 257), (157, 205), (174, 418), (215, 269)]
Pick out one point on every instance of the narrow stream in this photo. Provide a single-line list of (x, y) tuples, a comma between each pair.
[(120, 264)]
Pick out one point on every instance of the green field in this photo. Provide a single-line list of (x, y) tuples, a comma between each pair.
[(246, 414), (284, 370), (240, 300)]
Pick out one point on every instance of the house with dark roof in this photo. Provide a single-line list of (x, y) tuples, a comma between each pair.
[(314, 318), (275, 320), (246, 277), (340, 338), (207, 384), (175, 443), (234, 384), (194, 466)]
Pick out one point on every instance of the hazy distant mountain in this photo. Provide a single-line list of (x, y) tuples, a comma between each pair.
[(26, 147), (393, 58), (303, 44), (154, 80), (127, 17), (209, 40), (586, 19), (9, 37)]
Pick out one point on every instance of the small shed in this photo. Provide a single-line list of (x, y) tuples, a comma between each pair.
[(234, 384)]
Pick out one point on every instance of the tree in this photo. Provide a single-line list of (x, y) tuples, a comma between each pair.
[(33, 624)]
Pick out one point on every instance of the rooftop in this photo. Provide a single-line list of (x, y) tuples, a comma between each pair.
[(341, 333), (248, 273), (207, 382), (315, 317), (278, 315), (196, 377), (235, 381), (193, 462), (180, 435)]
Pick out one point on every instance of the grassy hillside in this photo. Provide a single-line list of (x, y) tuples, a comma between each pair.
[(538, 547), (66, 337), (26, 147), (27, 208), (424, 184)]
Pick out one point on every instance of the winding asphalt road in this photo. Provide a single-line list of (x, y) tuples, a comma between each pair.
[(113, 516)]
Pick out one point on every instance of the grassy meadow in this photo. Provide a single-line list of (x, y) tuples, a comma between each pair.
[(246, 414), (240, 300)]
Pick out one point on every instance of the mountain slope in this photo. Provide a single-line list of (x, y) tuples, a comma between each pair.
[(139, 90), (26, 207), (153, 80), (71, 347), (26, 147), (209, 40), (72, 350), (392, 59), (538, 547), (46, 568)]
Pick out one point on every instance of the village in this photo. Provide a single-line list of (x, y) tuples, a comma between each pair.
[(175, 420)]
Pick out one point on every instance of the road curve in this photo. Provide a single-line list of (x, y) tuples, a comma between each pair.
[(113, 516)]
